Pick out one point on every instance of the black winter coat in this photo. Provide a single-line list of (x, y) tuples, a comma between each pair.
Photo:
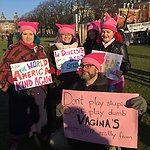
[(88, 45), (99, 85), (63, 81), (66, 79)]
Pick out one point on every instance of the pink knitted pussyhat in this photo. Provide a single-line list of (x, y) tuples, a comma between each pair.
[(94, 25), (26, 25), (110, 23), (66, 28), (96, 59)]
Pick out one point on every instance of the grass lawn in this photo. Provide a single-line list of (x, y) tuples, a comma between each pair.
[(136, 81)]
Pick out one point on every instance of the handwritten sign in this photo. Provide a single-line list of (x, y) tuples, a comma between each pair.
[(100, 117), (68, 60), (111, 63), (31, 74)]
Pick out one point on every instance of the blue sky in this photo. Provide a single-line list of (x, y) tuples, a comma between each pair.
[(9, 7)]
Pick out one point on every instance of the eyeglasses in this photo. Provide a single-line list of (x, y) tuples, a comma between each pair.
[(87, 66)]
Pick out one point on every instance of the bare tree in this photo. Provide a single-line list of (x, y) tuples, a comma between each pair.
[(100, 7), (128, 14), (50, 12), (83, 10)]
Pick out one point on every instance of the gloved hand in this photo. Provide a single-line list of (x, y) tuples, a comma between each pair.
[(58, 72), (52, 70), (59, 110), (11, 79), (140, 104), (79, 71)]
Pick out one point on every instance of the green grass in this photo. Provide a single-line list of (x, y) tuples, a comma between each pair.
[(136, 81)]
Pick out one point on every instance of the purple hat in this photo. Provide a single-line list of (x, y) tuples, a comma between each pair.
[(94, 25)]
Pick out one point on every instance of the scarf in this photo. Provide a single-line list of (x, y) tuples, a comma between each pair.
[(31, 46), (62, 46)]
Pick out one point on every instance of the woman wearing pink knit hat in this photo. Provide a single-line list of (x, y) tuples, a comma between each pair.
[(64, 40), (111, 41), (26, 107), (93, 31)]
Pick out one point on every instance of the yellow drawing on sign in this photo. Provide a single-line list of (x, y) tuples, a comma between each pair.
[(112, 63)]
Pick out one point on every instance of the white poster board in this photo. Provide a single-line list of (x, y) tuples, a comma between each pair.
[(111, 63), (31, 74), (68, 60)]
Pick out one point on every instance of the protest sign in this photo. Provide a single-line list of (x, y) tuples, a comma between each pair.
[(136, 27), (31, 74), (68, 60), (111, 63), (100, 117)]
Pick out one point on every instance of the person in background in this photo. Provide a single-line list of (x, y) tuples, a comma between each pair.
[(65, 39), (93, 31), (91, 79), (111, 41), (26, 112), (9, 38), (2, 36), (126, 36), (148, 39), (146, 36)]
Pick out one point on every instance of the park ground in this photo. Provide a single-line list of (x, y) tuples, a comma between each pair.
[(136, 81)]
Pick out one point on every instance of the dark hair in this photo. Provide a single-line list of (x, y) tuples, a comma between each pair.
[(89, 40)]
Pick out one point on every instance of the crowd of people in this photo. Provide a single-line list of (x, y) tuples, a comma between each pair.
[(38, 110)]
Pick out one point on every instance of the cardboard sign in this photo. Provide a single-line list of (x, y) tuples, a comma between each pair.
[(100, 117), (31, 74), (68, 60), (111, 63)]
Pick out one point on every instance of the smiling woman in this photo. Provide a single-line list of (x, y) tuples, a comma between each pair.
[(65, 41), (26, 106), (111, 41)]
